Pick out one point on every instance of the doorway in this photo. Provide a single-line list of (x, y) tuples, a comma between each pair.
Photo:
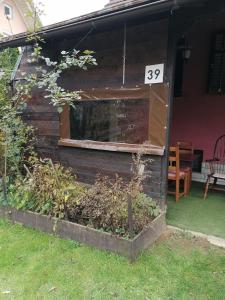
[(199, 117)]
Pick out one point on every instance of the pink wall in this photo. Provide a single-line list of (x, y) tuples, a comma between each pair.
[(14, 25), (198, 116)]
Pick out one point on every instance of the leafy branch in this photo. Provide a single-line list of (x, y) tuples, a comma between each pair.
[(16, 137), (46, 77)]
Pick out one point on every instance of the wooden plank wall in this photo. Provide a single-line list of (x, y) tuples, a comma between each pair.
[(146, 44)]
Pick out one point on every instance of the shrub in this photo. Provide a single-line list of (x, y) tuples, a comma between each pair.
[(20, 195), (52, 189), (16, 138), (102, 206), (47, 189), (105, 205)]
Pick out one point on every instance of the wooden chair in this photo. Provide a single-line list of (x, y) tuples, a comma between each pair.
[(216, 167), (186, 159), (175, 173)]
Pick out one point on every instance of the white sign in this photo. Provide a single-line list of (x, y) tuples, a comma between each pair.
[(154, 74)]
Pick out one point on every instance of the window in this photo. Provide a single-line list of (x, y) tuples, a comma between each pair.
[(178, 83), (8, 11), (216, 83), (125, 120), (179, 69)]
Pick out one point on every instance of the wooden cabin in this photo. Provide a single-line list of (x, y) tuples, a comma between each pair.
[(160, 78)]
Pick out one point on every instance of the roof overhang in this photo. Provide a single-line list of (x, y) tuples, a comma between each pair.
[(117, 14)]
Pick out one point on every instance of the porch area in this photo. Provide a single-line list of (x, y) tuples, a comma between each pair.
[(196, 214), (198, 123)]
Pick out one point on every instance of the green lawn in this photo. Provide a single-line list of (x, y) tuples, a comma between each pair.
[(194, 213), (34, 265)]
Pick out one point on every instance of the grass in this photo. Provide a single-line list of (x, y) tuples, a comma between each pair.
[(34, 265), (196, 214)]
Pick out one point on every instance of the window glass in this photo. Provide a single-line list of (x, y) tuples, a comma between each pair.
[(8, 11), (217, 64), (110, 121)]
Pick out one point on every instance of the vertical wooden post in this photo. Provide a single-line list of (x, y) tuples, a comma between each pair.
[(4, 189), (124, 52), (130, 218), (4, 176), (170, 77)]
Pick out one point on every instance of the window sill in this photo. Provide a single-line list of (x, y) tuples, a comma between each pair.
[(111, 146)]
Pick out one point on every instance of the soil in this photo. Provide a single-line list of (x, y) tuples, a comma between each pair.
[(186, 241)]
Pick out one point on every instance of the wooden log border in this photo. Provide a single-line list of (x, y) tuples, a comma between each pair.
[(91, 237)]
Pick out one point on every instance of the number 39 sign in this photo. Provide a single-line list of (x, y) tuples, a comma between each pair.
[(154, 74)]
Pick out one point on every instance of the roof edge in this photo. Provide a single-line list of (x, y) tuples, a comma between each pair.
[(152, 6)]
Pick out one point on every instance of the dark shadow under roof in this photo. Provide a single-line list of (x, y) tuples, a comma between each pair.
[(116, 13)]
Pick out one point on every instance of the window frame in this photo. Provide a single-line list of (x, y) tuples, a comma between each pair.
[(212, 66), (8, 16), (66, 141)]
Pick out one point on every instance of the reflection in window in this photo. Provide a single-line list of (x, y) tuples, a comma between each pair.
[(110, 121)]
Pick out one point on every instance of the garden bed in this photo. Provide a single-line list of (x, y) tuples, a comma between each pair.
[(92, 237)]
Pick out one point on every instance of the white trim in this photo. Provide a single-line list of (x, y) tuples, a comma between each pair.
[(6, 33)]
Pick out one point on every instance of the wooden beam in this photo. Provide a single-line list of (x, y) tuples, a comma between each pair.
[(111, 146), (64, 125), (170, 74)]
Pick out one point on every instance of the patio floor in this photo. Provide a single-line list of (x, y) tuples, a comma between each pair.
[(193, 213)]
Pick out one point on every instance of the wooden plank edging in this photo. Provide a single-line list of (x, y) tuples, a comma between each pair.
[(87, 235)]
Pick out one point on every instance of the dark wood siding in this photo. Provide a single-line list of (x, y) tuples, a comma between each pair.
[(146, 44)]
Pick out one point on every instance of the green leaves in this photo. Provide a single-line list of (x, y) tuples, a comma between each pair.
[(49, 72), (88, 52), (105, 205), (53, 190), (47, 189), (15, 137)]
